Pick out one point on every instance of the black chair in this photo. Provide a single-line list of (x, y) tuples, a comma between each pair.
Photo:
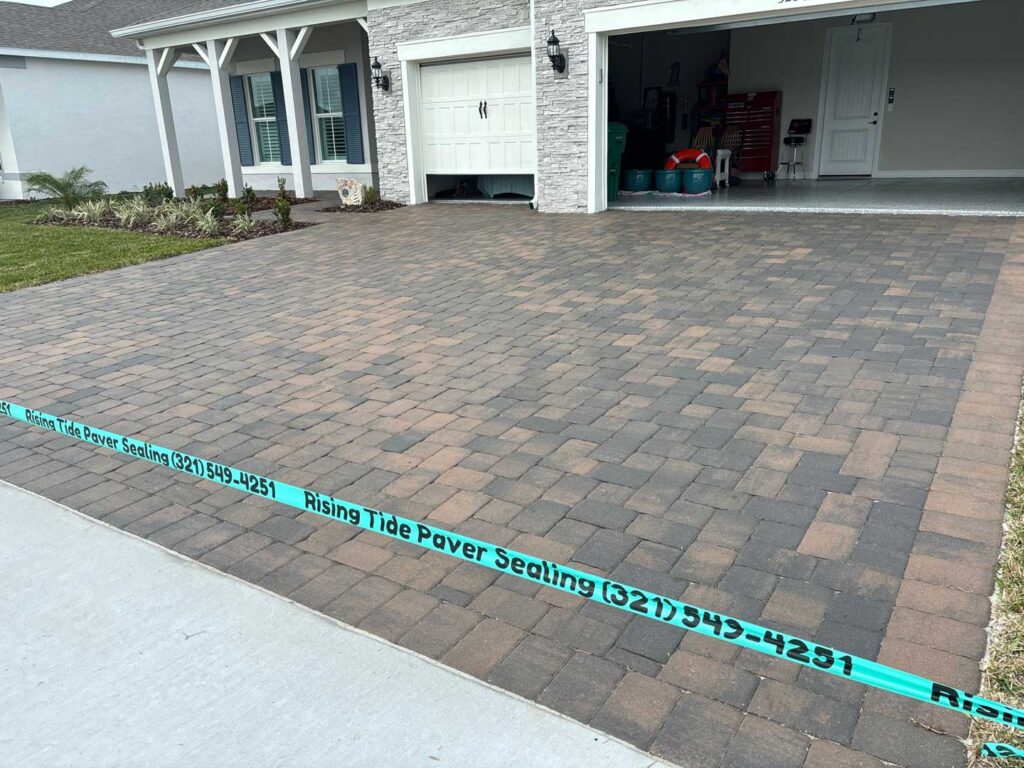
[(795, 142)]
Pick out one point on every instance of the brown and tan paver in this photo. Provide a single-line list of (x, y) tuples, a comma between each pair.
[(800, 420)]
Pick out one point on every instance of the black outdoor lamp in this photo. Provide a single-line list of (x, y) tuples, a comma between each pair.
[(382, 81), (555, 54)]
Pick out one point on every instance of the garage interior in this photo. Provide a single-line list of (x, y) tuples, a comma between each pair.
[(875, 111)]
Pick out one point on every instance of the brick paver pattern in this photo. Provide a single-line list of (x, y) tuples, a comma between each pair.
[(745, 411)]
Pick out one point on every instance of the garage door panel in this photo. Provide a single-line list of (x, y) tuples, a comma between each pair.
[(457, 139)]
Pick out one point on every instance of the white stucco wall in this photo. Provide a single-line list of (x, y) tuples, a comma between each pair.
[(64, 113)]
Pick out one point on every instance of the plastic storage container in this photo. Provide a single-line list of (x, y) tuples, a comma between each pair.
[(668, 181), (697, 181), (616, 146), (637, 180)]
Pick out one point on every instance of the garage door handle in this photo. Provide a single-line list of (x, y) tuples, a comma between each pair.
[(480, 109), (485, 110), (874, 122)]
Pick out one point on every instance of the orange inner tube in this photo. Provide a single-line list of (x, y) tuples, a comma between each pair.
[(698, 156)]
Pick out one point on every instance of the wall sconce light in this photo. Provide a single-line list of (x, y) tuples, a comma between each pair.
[(863, 18), (555, 54), (380, 79)]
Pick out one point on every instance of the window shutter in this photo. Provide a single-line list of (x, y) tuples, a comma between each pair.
[(304, 74), (348, 75), (241, 113), (282, 118)]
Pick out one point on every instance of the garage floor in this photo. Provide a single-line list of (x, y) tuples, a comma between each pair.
[(949, 197)]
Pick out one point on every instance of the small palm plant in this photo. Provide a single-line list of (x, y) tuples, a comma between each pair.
[(72, 188)]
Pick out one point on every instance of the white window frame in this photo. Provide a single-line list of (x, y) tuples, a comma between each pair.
[(257, 159), (314, 116)]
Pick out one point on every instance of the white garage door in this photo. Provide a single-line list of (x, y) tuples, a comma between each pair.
[(478, 117)]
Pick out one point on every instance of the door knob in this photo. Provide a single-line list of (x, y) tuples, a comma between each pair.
[(874, 122)]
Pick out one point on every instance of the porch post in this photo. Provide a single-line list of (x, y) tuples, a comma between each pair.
[(289, 48), (218, 55), (160, 63)]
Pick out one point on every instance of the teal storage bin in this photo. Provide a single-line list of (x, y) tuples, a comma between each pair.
[(637, 180), (697, 181), (668, 181), (617, 133)]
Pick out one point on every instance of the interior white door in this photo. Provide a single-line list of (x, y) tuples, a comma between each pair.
[(478, 117), (854, 92)]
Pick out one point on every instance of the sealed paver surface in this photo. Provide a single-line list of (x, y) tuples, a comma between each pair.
[(799, 420)]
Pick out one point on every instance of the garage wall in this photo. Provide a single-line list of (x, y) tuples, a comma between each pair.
[(420, 21), (101, 115), (953, 71)]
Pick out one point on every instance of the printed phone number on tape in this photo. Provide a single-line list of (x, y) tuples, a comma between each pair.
[(587, 585)]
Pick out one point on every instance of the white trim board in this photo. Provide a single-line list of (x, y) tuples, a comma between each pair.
[(667, 14), (499, 41), (312, 13), (103, 58), (201, 18)]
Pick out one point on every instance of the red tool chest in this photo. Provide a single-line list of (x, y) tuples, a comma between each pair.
[(757, 117)]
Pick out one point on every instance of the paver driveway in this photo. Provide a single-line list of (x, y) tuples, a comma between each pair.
[(801, 420)]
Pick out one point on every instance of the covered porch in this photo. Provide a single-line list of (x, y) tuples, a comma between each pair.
[(291, 89)]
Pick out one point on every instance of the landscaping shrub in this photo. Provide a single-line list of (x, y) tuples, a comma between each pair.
[(248, 199), (282, 208), (207, 224), (370, 195), (157, 192), (243, 225), (71, 188), (133, 212), (195, 216), (221, 189), (92, 211)]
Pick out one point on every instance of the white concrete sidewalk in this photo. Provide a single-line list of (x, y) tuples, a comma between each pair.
[(115, 652)]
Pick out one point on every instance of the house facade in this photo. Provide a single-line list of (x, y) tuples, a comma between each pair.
[(72, 95), (467, 91)]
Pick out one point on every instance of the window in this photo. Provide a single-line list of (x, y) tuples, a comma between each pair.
[(328, 122), (264, 118)]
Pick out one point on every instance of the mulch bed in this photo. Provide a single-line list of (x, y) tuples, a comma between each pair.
[(16, 202), (267, 203), (380, 205), (263, 228)]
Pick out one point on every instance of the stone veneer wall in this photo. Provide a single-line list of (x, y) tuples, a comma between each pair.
[(432, 18), (562, 106)]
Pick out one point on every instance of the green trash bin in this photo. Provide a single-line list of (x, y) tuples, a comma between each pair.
[(616, 146)]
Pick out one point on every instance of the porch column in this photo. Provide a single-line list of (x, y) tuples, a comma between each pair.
[(160, 63), (217, 55), (289, 47)]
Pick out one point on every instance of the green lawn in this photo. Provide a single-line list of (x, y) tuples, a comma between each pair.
[(1004, 673), (32, 255)]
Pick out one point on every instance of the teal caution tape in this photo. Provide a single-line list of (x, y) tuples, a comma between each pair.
[(993, 749), (544, 572)]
